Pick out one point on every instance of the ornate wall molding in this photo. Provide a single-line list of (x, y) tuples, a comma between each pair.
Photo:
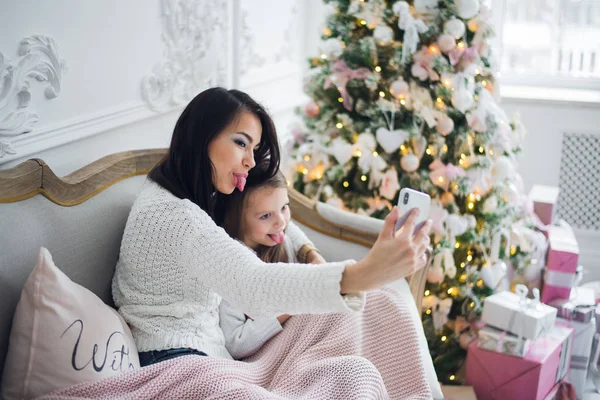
[(290, 41), (248, 57), (196, 39), (39, 60), (252, 61)]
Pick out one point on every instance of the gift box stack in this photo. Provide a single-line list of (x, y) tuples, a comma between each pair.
[(575, 305), (595, 353), (579, 312), (522, 352)]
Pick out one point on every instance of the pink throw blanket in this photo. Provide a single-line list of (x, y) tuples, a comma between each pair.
[(369, 355)]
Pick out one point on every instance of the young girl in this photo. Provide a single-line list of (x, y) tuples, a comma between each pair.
[(257, 217)]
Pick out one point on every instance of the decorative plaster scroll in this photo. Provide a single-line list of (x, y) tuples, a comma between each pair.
[(38, 60), (195, 35)]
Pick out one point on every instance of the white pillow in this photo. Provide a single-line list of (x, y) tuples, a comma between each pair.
[(63, 334)]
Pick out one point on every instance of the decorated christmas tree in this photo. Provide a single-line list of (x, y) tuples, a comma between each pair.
[(403, 95)]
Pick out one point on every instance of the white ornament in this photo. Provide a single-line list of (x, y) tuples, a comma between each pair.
[(446, 43), (412, 28), (383, 34), (467, 8), (332, 48), (492, 274), (459, 224), (399, 89), (440, 310), (462, 98), (511, 193), (490, 204), (503, 169), (449, 266), (445, 125), (422, 6), (341, 150), (455, 27), (366, 141), (391, 140), (435, 274), (409, 162)]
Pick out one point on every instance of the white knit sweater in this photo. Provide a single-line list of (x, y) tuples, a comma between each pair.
[(245, 336), (176, 264)]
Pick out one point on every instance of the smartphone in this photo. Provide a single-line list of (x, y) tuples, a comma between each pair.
[(409, 199)]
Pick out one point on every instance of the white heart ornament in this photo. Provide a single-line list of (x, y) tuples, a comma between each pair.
[(341, 150), (391, 140), (492, 274)]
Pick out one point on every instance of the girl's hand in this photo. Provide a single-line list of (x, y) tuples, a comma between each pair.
[(314, 257), (391, 258), (283, 318)]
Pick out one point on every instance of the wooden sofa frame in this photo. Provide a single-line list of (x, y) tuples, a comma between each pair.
[(34, 177)]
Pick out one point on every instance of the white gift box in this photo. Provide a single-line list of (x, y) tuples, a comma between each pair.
[(490, 338), (523, 317)]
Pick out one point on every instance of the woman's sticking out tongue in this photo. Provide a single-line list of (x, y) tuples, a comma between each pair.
[(239, 181)]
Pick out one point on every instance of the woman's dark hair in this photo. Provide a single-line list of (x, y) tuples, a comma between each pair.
[(186, 170), (234, 209)]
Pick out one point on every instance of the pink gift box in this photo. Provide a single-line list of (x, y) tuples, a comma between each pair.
[(497, 376), (561, 264), (544, 202)]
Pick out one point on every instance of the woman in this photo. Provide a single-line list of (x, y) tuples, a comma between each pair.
[(176, 263)]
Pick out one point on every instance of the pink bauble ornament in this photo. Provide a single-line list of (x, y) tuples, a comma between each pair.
[(445, 125), (410, 162), (447, 199), (446, 43), (399, 89), (312, 110), (435, 275)]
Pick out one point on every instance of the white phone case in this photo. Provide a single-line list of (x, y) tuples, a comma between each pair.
[(409, 199)]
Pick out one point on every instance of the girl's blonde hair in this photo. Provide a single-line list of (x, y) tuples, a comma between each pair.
[(234, 209)]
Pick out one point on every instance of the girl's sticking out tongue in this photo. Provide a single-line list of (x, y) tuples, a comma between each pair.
[(277, 237)]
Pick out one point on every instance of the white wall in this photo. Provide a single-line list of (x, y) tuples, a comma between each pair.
[(111, 47)]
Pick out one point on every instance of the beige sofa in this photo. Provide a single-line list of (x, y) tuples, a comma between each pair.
[(80, 218)]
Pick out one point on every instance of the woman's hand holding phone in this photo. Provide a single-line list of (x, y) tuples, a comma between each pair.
[(392, 257)]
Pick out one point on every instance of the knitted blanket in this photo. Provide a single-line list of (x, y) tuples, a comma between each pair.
[(372, 354)]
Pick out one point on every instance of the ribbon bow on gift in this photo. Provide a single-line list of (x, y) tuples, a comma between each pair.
[(524, 302), (340, 76)]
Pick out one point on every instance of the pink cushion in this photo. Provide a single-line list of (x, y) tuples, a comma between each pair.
[(63, 334)]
